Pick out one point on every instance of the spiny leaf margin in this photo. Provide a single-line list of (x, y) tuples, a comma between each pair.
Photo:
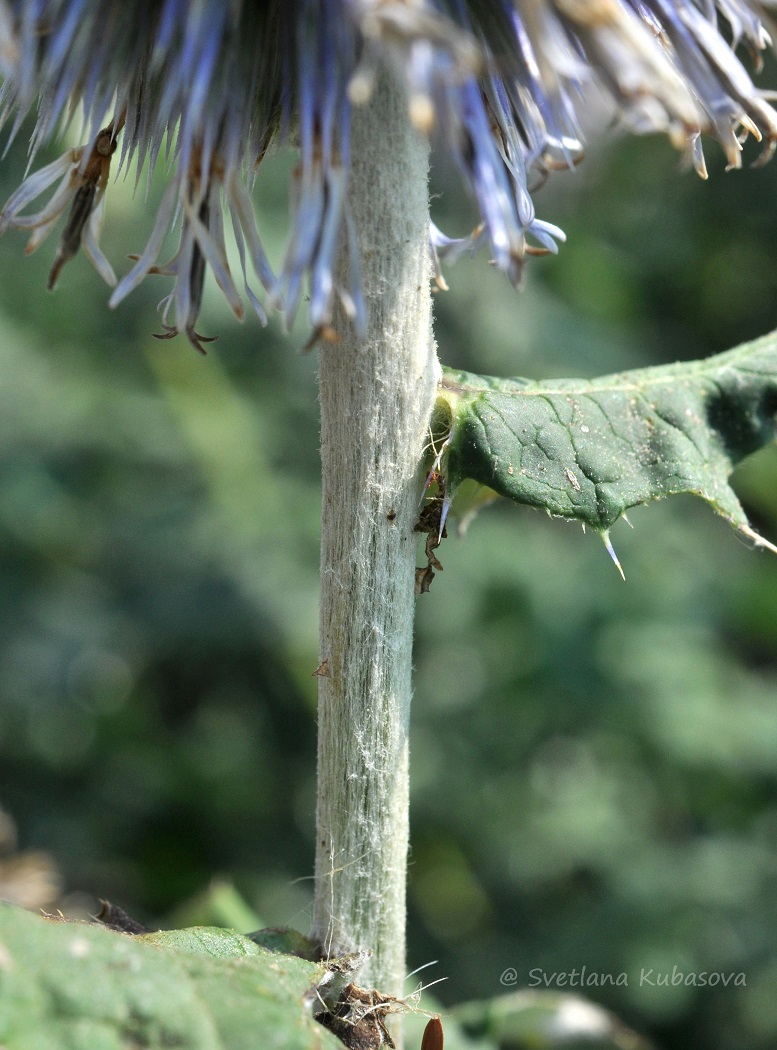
[(589, 450)]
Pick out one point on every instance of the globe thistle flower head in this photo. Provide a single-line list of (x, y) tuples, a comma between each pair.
[(212, 85)]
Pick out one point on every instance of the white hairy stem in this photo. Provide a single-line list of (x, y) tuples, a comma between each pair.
[(377, 395)]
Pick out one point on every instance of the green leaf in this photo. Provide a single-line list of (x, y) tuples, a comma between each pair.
[(544, 1020), (84, 987), (291, 942), (223, 944), (591, 449), (209, 941)]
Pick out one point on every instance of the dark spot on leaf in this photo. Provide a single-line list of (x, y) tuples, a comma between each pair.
[(115, 918)]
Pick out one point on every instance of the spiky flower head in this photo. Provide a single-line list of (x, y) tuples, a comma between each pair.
[(211, 85)]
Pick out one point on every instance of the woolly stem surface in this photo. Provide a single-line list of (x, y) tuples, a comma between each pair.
[(377, 395)]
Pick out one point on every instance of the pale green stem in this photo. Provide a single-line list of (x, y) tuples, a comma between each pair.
[(377, 395)]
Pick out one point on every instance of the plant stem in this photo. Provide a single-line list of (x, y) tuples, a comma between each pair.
[(377, 394)]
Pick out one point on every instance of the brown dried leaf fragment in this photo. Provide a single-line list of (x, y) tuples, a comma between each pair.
[(359, 1018), (430, 522), (423, 579)]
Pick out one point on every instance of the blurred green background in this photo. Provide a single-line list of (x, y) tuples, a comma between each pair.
[(594, 763)]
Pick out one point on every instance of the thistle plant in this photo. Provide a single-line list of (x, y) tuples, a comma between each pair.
[(361, 89)]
